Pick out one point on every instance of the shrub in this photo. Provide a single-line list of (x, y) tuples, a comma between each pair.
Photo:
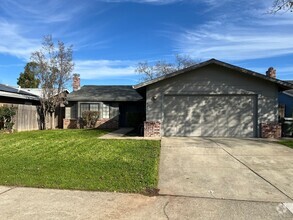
[(90, 118), (6, 117)]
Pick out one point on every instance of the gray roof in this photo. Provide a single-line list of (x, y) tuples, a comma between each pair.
[(105, 93), (289, 92), (282, 84), (9, 91)]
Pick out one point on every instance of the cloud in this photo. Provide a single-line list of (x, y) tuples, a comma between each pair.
[(159, 2), (248, 35), (40, 11), (13, 43), (97, 69), (23, 25)]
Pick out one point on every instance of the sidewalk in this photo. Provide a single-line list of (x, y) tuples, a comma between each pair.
[(32, 203)]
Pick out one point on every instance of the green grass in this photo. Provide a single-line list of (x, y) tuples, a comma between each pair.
[(77, 159), (287, 143)]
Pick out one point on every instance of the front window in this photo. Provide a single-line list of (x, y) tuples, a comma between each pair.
[(89, 107), (106, 111), (103, 108)]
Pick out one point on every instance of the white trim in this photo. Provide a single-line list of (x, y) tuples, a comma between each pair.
[(18, 96), (287, 93)]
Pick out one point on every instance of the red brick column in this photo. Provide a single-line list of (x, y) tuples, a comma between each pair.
[(69, 123), (152, 129), (271, 130)]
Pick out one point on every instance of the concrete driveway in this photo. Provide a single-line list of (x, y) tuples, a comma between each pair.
[(226, 168)]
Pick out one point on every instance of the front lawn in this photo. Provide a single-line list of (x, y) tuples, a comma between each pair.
[(287, 143), (77, 159)]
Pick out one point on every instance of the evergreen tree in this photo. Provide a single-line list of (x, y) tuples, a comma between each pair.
[(28, 79)]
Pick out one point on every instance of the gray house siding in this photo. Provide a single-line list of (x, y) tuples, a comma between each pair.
[(287, 101), (211, 83)]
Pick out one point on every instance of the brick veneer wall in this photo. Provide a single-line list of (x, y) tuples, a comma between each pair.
[(152, 129), (103, 123), (69, 123), (271, 130)]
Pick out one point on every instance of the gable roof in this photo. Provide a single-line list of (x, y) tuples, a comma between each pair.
[(91, 93), (289, 92), (282, 84), (9, 91)]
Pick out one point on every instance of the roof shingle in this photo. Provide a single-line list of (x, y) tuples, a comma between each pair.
[(105, 93)]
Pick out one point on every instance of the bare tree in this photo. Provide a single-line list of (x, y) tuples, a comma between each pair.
[(282, 5), (184, 61), (161, 67), (55, 68)]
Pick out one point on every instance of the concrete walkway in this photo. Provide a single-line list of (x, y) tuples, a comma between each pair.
[(117, 133), (30, 204), (121, 134)]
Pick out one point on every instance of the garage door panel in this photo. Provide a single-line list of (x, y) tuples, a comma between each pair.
[(221, 131), (209, 115), (221, 121), (209, 130), (234, 131), (193, 130), (208, 118), (233, 120), (170, 131)]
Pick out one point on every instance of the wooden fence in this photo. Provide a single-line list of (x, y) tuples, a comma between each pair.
[(26, 118)]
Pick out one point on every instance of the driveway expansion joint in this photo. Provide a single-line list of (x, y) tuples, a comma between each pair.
[(220, 199), (219, 144), (164, 209), (7, 190)]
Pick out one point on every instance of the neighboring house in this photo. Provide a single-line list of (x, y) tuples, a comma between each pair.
[(286, 102), (12, 95), (213, 98), (26, 104), (119, 106)]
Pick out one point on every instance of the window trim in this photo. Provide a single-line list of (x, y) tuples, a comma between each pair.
[(101, 108)]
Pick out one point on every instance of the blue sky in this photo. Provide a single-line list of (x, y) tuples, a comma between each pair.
[(110, 37)]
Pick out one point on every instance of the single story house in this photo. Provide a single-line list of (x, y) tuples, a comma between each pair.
[(26, 104), (119, 106), (212, 98), (13, 95)]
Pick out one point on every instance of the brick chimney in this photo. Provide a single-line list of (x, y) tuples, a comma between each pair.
[(271, 72), (76, 82)]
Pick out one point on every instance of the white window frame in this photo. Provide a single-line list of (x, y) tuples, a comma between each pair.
[(104, 108)]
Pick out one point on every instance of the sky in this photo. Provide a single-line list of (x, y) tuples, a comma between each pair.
[(110, 37)]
